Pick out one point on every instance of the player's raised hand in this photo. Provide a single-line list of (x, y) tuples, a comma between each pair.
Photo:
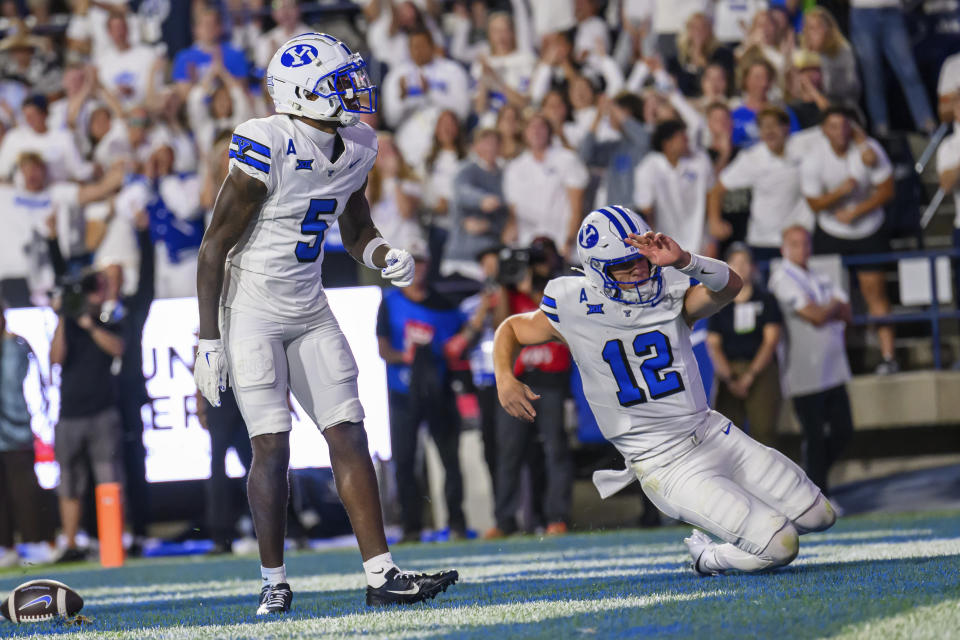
[(517, 398), (210, 370), (400, 267), (659, 249)]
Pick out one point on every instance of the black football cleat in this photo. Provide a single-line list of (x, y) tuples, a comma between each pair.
[(408, 588), (275, 599)]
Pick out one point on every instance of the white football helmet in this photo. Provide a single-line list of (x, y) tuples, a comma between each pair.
[(317, 76), (600, 244)]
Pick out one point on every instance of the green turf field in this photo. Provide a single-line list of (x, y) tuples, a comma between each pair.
[(868, 577)]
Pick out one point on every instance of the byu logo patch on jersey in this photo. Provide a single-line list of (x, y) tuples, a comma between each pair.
[(299, 55), (589, 236)]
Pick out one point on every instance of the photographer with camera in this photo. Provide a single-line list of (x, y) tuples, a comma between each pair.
[(89, 431), (524, 275)]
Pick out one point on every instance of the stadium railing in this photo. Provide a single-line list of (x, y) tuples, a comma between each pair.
[(935, 312)]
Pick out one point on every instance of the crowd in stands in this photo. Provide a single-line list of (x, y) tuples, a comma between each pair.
[(501, 123)]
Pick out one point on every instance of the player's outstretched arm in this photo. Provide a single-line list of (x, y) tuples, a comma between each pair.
[(238, 203), (719, 284), (364, 243), (515, 332)]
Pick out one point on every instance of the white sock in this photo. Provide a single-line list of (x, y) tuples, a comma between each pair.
[(377, 567), (273, 577), (720, 557)]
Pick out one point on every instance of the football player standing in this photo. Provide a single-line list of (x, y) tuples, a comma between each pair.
[(627, 322), (264, 317)]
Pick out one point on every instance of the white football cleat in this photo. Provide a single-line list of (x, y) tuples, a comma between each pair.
[(697, 543)]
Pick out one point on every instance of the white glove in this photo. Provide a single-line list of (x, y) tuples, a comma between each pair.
[(399, 267), (210, 370)]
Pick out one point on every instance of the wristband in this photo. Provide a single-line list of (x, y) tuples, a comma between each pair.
[(714, 274), (372, 246)]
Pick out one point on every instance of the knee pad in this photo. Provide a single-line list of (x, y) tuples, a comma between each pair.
[(783, 547), (819, 517)]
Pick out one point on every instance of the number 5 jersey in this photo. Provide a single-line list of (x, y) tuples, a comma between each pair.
[(639, 372), (274, 270)]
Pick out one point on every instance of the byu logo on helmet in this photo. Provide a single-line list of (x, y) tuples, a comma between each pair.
[(589, 236), (298, 55)]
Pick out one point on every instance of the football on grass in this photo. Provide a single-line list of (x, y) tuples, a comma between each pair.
[(41, 600)]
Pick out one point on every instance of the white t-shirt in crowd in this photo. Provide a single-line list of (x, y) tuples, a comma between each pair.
[(732, 18), (514, 69), (446, 88), (812, 359), (671, 16), (24, 215), (637, 11), (777, 201), (57, 147), (590, 33), (948, 157), (551, 16), (949, 76), (824, 171), (127, 73), (92, 25), (677, 195), (537, 192)]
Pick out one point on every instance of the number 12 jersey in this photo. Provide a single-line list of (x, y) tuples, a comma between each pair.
[(636, 361)]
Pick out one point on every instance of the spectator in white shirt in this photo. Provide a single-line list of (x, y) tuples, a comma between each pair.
[(732, 17), (415, 92), (557, 68), (87, 32), (814, 358), (391, 23), (671, 186), (172, 201), (544, 188), (126, 71), (848, 196), (38, 202), (56, 146), (219, 102), (771, 170), (948, 86), (948, 168), (592, 34), (551, 16), (286, 13), (503, 74)]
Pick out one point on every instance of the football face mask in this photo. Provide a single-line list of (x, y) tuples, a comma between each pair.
[(645, 290), (351, 85)]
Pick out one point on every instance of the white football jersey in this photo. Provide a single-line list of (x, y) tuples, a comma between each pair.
[(637, 364), (274, 270)]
